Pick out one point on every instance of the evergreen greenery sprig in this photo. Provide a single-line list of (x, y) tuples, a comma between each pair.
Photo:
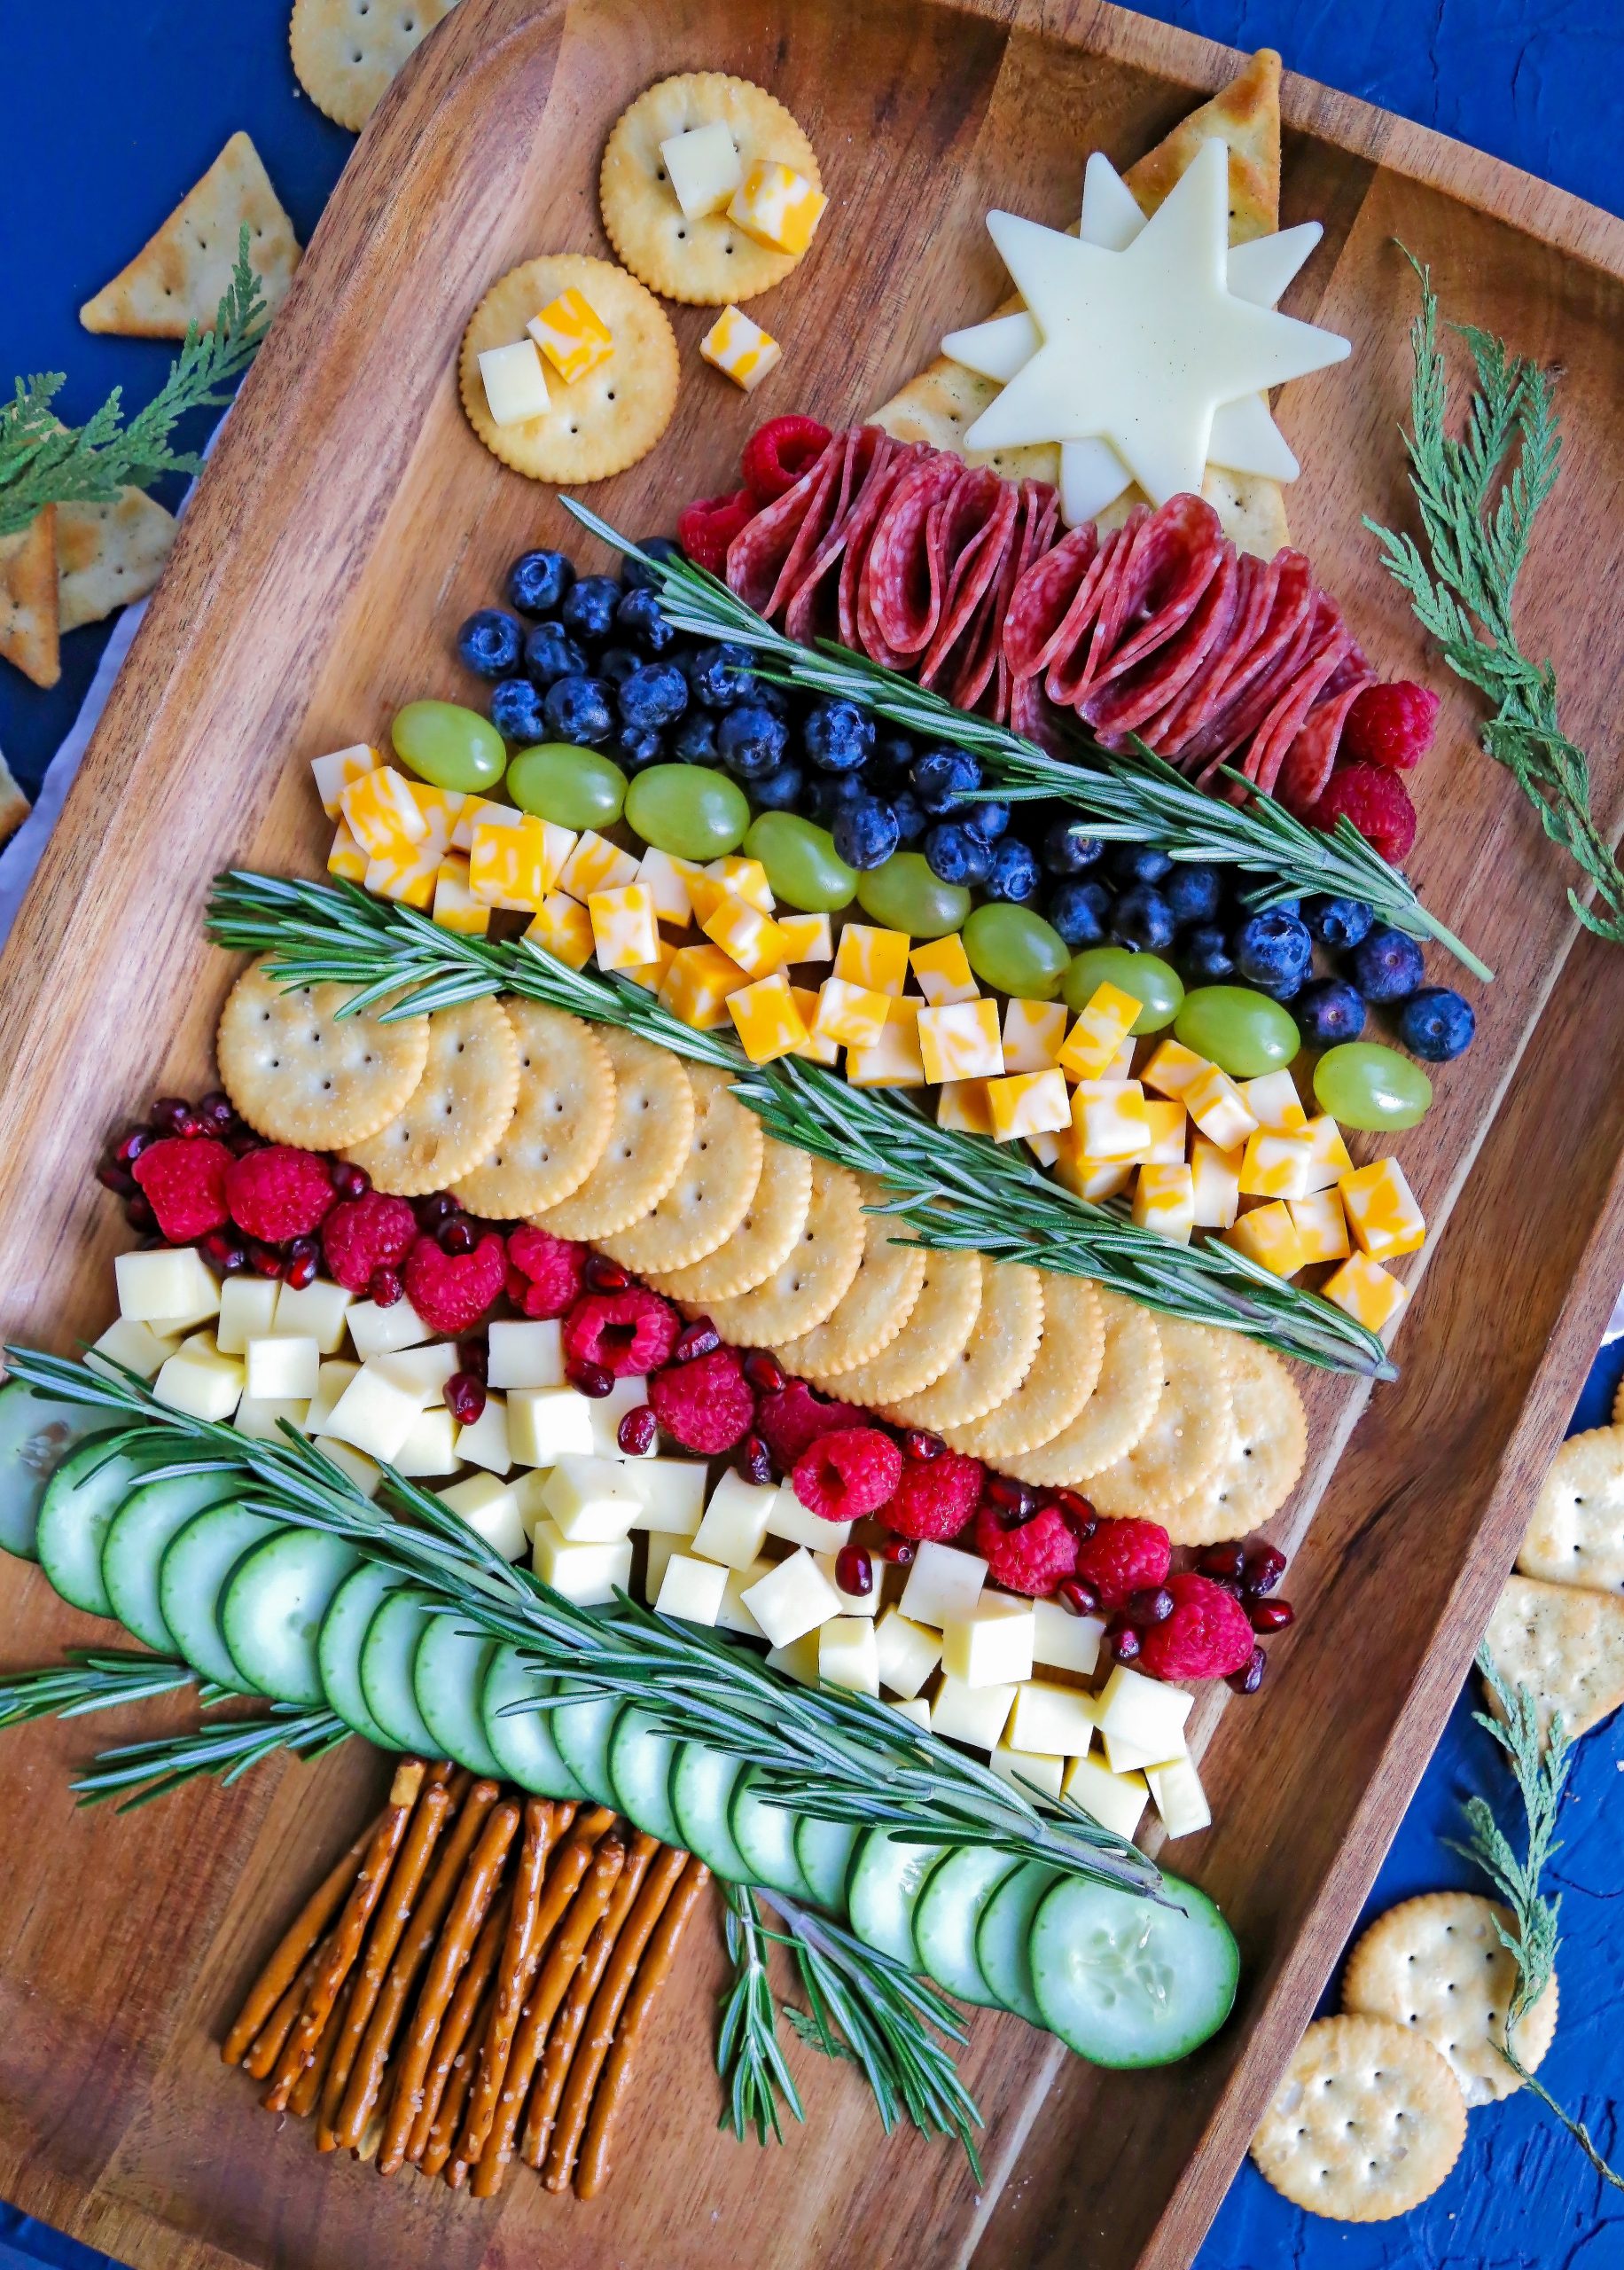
[(1478, 499), (43, 462), (1129, 795), (227, 1750), (89, 1679), (950, 1189), (750, 2059)]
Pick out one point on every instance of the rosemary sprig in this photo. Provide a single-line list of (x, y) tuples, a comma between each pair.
[(1540, 1771), (749, 2054), (228, 1750), (1478, 499), (90, 1679), (950, 1189), (43, 462), (1130, 795)]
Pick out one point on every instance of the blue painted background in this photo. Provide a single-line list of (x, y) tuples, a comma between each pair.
[(109, 110)]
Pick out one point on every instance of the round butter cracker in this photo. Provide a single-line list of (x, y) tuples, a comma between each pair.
[(1116, 1414), (996, 1357), (1576, 1535), (301, 1073), (459, 1109), (938, 1328), (346, 52), (1366, 2123), (815, 1276), (1190, 1432), (763, 1240), (712, 1193), (1057, 1387), (1439, 1966), (1268, 1444), (648, 1142), (560, 1123), (875, 1306)]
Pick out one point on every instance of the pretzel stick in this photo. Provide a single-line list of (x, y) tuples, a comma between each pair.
[(592, 2167), (614, 1984), (287, 1958), (473, 1903), (442, 2136), (521, 1959), (393, 1834), (307, 2087), (455, 2028), (565, 2032), (261, 2058)]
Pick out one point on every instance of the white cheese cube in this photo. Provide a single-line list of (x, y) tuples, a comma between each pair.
[(200, 1381), (431, 1447), (798, 1524), (259, 1417), (1123, 1755), (485, 1443), (1115, 1800), (283, 1369), (590, 1574), (330, 1382), (976, 1715), (514, 387), (137, 1346), (353, 1464), (793, 1598), (691, 1589), (992, 1646), (248, 1311), (1063, 1641), (1178, 1796), (379, 1332), (914, 1707), (733, 1615), (170, 1282), (735, 1523), (671, 1492), (320, 1309), (589, 1500), (942, 1584), (855, 1603), (798, 1660), (703, 167), (423, 1370), (605, 1412), (548, 1423), (1055, 1721), (527, 1488), (660, 1552), (375, 1413), (527, 1353), (848, 1655), (490, 1508), (1145, 1712), (908, 1653), (1034, 1777)]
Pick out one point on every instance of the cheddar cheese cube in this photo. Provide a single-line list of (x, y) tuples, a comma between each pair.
[(652, 974), (1103, 1024), (1322, 1225), (777, 206), (381, 813), (408, 873), (479, 811), (807, 936), (594, 863), (740, 349), (1169, 1131), (960, 1041), (876, 958), (346, 860), (1218, 1108), (894, 1060), (1274, 1165), (441, 808), (1046, 1143), (746, 935), (697, 985), (1274, 1102), (515, 385), (962, 1104), (703, 167), (817, 1047), (512, 866), (1122, 1065), (625, 928), (334, 773), (854, 1015), (746, 879), (1033, 1032), (769, 1023), (572, 335), (1172, 1068), (1095, 1179), (942, 968), (1365, 1291), (1329, 1159), (1029, 1103), (456, 907), (667, 880), (1216, 1176), (565, 928), (1109, 1119), (1381, 1210), (1268, 1235), (1165, 1201)]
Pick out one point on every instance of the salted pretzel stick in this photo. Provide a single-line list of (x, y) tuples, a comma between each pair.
[(581, 1919), (521, 1959), (442, 2136), (614, 1984), (566, 2030), (262, 2059), (454, 2033), (287, 1958), (307, 2088), (592, 2167), (383, 1986), (394, 1834), (474, 1897)]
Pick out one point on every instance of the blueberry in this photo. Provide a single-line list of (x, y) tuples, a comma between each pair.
[(490, 642), (1283, 989), (637, 746), (1339, 922), (1068, 848), (617, 663), (1205, 956), (654, 696), (831, 792), (1015, 874), (1136, 863), (719, 674), (865, 833), (1435, 1024), (694, 741), (990, 820), (1195, 893), (837, 736), (587, 610), (1078, 911), (773, 699), (1386, 965), (910, 816), (634, 575), (942, 775), (1273, 949), (550, 653), (750, 740), (1142, 919), (783, 791), (890, 763), (1328, 1011), (578, 709), (516, 711), (639, 613), (537, 581), (957, 854)]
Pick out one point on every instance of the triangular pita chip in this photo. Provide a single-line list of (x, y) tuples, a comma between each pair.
[(14, 805), (945, 399), (28, 599), (1566, 1646), (109, 554), (180, 275)]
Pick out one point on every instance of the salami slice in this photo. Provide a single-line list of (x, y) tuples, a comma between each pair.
[(977, 666), (885, 475), (1197, 699), (1041, 510), (1248, 693), (763, 549), (1328, 644), (1122, 706), (1310, 761), (1152, 591), (979, 529), (1068, 671), (1043, 599), (812, 610), (904, 577)]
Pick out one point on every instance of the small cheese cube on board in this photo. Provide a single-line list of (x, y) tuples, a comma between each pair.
[(960, 1041), (441, 808), (200, 1381), (894, 1060), (456, 908), (671, 1492), (807, 936), (965, 1104), (817, 1047), (1145, 1711), (572, 335), (875, 957), (733, 1614), (1055, 1721), (1062, 1641), (1027, 1774), (591, 1499), (515, 387), (796, 1659), (777, 206), (1095, 1179), (320, 1308), (703, 167), (281, 1371), (691, 1589), (479, 811), (548, 1423), (376, 1412), (867, 1603), (563, 926), (1268, 1235), (1104, 1024), (168, 1282), (652, 974), (854, 1015), (1366, 1292), (942, 968), (431, 1447), (525, 1353), (698, 983), (380, 812), (261, 1417), (346, 861), (1033, 1032), (990, 1644), (791, 1600), (975, 1715), (589, 1574), (1178, 1796), (379, 1332), (734, 1527), (594, 863), (512, 867), (1117, 1801), (746, 935), (1328, 1153), (740, 349), (135, 1346), (491, 1509), (1165, 1201), (667, 879), (484, 1442), (248, 1311), (334, 1376), (1169, 1131), (746, 878), (916, 1710), (1274, 1165), (1320, 1225), (1381, 1211), (908, 1653), (625, 928), (943, 1584), (797, 1524), (1044, 1145), (1109, 1119), (1219, 1108), (767, 1023), (848, 1654), (410, 874), (1274, 1102), (334, 774), (364, 1472), (607, 1411), (1029, 1104), (1172, 1068), (1216, 1177), (424, 1370)]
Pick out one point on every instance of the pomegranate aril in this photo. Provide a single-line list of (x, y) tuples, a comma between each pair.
[(1154, 1605), (473, 1357), (1270, 1614), (595, 1380), (699, 1338), (351, 1181), (300, 1271), (1076, 1513), (465, 1397), (115, 1180), (1223, 1560), (241, 1140), (1248, 1680), (606, 1276), (921, 1446), (636, 1431), (265, 1261), (385, 1287), (898, 1550), (764, 1372), (1016, 1503), (1125, 1645), (224, 1252), (755, 1460), (458, 1236), (853, 1571), (131, 1143), (217, 1109), (169, 1114), (1265, 1566), (438, 1208), (1077, 1597), (139, 1213)]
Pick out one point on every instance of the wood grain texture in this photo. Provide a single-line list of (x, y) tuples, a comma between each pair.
[(348, 520)]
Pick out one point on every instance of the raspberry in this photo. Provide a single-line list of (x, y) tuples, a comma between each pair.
[(362, 1235), (546, 1275), (1206, 1636), (277, 1193), (791, 1420), (1377, 804), (452, 1291), (706, 528), (936, 1496), (1124, 1557), (628, 1333), (1390, 725), (847, 1473), (1031, 1558), (778, 453), (706, 1404), (184, 1181)]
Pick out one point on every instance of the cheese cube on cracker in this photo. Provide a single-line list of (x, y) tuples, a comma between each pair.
[(777, 207), (572, 335), (515, 389), (703, 167)]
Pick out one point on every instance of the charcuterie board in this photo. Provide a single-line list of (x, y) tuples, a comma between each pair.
[(347, 515)]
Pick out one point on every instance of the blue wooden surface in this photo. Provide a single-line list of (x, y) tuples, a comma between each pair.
[(108, 111)]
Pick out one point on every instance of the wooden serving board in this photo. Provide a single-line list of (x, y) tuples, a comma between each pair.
[(347, 522)]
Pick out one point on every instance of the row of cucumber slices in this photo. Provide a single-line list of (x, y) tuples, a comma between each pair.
[(299, 1616)]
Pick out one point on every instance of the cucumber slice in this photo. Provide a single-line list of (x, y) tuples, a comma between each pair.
[(765, 1835), (448, 1679), (825, 1849), (195, 1567), (388, 1654), (703, 1781), (271, 1611), (581, 1731), (523, 1740), (1003, 1933), (137, 1538), (887, 1877), (640, 1763), (342, 1636), (950, 1907), (36, 1433), (81, 1499), (1125, 1982)]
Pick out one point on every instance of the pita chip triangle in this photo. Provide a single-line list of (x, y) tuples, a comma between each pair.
[(181, 274), (29, 635), (14, 806), (1564, 1644), (109, 554)]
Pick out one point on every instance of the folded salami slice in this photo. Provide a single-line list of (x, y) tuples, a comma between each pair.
[(1073, 644), (1199, 698), (762, 554), (885, 475), (812, 611), (1123, 705), (1310, 761), (1248, 694), (1044, 599), (1154, 584), (979, 527), (1327, 646), (904, 578), (983, 674)]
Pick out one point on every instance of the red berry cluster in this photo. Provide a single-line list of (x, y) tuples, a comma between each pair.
[(1387, 731)]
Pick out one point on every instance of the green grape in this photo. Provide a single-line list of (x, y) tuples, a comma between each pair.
[(1244, 1033), (1363, 1084), (1016, 951), (1149, 979), (904, 894), (687, 810), (802, 865), (452, 746), (574, 787)]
